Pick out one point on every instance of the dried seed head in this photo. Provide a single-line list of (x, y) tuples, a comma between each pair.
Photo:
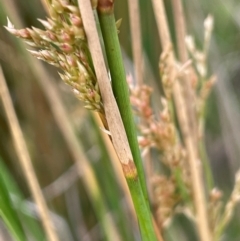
[(63, 44), (78, 32), (67, 48), (46, 24), (10, 27), (73, 9), (57, 6), (76, 20)]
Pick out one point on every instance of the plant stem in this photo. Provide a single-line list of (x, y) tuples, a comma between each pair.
[(136, 37), (120, 87), (139, 67), (189, 94), (184, 121), (180, 27), (142, 210), (116, 166), (206, 164), (25, 160), (116, 127)]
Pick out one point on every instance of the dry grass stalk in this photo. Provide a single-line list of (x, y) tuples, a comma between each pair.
[(135, 27), (113, 117), (116, 166), (180, 28), (25, 161), (193, 158)]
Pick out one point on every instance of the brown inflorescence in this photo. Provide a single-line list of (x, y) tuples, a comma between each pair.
[(166, 197), (159, 132), (63, 44)]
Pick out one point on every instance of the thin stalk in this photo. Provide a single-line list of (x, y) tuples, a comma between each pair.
[(136, 39), (119, 84), (190, 97), (189, 140), (116, 166), (206, 164), (136, 42), (180, 28), (115, 123), (25, 160), (142, 210)]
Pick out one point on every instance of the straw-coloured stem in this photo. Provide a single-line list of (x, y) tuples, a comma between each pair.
[(180, 28), (25, 160), (194, 163), (135, 27), (115, 124), (189, 97)]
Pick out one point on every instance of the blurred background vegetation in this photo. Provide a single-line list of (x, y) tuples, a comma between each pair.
[(66, 194)]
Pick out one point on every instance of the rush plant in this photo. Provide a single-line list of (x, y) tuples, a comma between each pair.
[(80, 38)]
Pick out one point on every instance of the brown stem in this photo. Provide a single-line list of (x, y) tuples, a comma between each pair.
[(113, 116), (134, 15), (183, 57), (25, 160)]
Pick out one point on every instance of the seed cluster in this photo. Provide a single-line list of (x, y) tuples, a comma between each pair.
[(64, 45), (159, 132)]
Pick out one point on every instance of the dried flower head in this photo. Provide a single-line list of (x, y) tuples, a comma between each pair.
[(159, 132), (63, 44), (165, 198)]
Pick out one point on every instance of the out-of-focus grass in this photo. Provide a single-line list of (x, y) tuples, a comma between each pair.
[(48, 150), (12, 208), (9, 214)]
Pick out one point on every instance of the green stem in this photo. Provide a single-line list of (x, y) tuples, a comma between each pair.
[(203, 151), (136, 183), (142, 210), (120, 88), (206, 165)]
